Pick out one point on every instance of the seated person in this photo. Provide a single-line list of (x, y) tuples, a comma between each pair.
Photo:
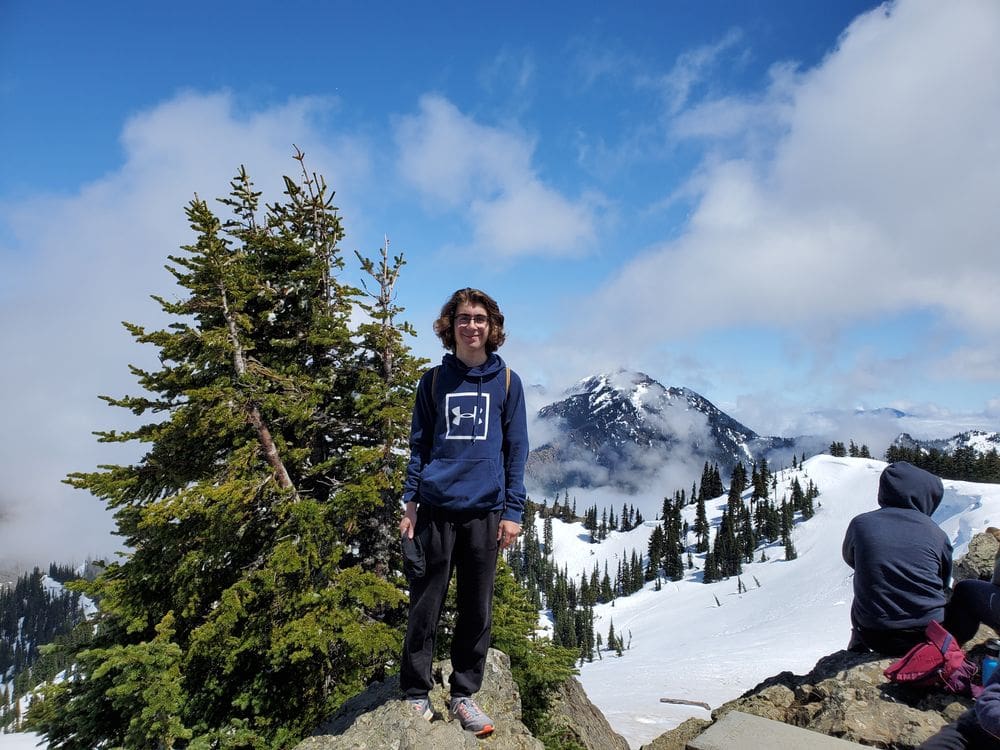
[(974, 602), (901, 560), (976, 729)]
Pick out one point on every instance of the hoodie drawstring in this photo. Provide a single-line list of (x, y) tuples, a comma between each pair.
[(475, 408)]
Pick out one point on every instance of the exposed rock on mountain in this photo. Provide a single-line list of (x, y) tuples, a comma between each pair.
[(619, 429), (378, 720)]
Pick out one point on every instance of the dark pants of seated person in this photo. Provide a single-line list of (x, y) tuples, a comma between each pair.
[(972, 602), (965, 734), (887, 642)]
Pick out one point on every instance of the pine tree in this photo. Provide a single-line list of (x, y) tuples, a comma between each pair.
[(808, 506), (746, 538), (245, 611), (798, 496), (710, 574), (728, 555), (737, 483), (673, 564), (607, 589), (655, 552), (701, 526), (386, 374)]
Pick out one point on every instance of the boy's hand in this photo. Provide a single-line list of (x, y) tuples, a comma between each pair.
[(507, 533), (409, 522)]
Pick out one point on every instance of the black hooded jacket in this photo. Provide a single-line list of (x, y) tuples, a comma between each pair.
[(901, 557)]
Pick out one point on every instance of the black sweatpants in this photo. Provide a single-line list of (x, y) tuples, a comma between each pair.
[(467, 545), (972, 602)]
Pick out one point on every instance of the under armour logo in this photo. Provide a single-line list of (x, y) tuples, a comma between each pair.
[(457, 415), (469, 415)]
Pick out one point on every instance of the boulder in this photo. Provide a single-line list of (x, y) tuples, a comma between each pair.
[(678, 738), (978, 561), (576, 719), (378, 719)]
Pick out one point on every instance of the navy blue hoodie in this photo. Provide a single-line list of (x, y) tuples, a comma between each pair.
[(469, 439), (901, 557)]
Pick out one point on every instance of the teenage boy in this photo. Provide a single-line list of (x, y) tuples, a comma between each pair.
[(464, 497)]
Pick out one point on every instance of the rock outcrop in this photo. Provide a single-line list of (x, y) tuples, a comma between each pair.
[(846, 695), (580, 721), (978, 561), (378, 719)]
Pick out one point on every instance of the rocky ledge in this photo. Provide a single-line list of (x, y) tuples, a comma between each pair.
[(378, 719)]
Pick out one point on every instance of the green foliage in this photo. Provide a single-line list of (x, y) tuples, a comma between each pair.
[(538, 666), (964, 463), (261, 587)]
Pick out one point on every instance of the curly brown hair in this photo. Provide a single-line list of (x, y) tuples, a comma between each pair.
[(444, 326)]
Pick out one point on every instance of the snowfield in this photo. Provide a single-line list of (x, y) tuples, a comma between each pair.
[(686, 645)]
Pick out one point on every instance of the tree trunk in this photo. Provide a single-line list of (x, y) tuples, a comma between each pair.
[(267, 445)]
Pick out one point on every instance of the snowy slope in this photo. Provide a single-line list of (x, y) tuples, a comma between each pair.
[(686, 646), (21, 741)]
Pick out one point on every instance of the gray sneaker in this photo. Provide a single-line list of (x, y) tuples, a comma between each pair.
[(421, 707), (471, 717)]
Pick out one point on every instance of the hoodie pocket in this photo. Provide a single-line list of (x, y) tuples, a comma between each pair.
[(462, 483)]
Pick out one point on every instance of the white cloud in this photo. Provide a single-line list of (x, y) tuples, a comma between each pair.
[(692, 69), (511, 73), (880, 197), (76, 266), (461, 164)]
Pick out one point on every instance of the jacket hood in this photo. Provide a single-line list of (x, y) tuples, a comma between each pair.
[(491, 366), (903, 485)]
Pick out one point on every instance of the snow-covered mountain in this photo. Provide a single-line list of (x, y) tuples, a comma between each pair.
[(620, 429), (980, 441), (712, 642)]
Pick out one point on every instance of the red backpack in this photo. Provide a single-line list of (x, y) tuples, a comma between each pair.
[(937, 662)]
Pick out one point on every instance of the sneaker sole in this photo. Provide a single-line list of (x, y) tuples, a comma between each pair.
[(484, 732)]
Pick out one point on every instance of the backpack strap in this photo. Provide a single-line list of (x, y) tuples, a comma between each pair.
[(940, 637)]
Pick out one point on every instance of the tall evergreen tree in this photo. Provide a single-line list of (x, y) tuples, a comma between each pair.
[(258, 592), (701, 526), (655, 552), (386, 373), (737, 483)]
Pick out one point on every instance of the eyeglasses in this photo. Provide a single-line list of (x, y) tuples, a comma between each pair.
[(479, 320)]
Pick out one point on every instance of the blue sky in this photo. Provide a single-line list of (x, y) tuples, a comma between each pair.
[(789, 207)]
